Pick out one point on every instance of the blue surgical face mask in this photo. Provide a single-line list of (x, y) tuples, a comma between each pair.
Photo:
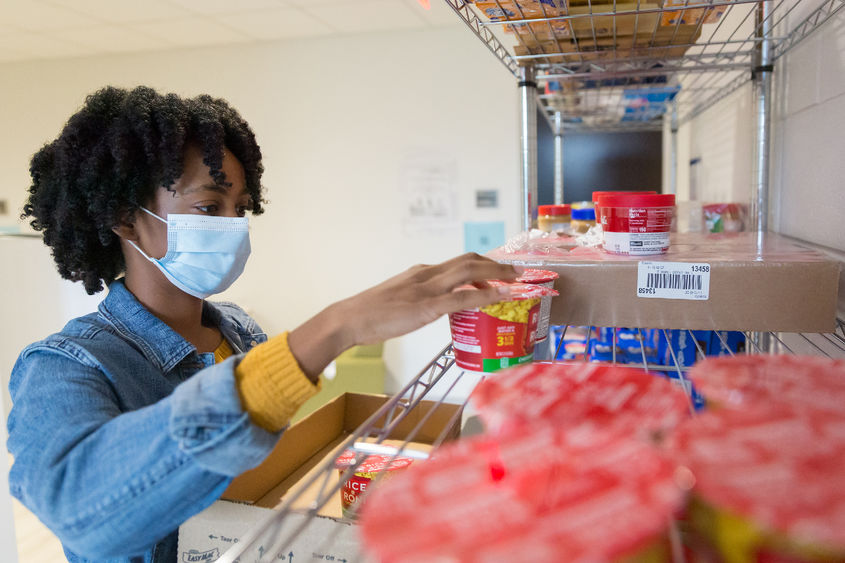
[(205, 254)]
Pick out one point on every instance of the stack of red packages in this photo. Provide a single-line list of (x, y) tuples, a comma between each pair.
[(751, 381), (767, 460), (553, 494), (614, 398)]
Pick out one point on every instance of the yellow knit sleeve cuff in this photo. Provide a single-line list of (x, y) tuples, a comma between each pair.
[(271, 384)]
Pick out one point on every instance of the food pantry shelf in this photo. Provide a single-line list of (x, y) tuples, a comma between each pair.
[(439, 381), (599, 58)]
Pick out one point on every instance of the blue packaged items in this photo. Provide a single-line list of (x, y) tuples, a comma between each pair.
[(731, 342), (683, 342), (698, 401)]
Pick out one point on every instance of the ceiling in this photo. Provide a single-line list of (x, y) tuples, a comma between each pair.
[(50, 29)]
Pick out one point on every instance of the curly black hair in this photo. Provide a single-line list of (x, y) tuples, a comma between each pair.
[(110, 158)]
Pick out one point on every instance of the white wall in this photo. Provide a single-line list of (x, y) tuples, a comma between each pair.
[(338, 118), (807, 190)]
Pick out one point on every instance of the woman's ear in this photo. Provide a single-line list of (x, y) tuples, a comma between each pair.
[(125, 227)]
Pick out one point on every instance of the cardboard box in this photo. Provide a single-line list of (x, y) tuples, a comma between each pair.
[(301, 452), (784, 288)]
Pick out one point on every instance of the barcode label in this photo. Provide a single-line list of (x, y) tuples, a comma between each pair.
[(673, 280)]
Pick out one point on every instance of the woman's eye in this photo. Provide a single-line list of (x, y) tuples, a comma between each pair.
[(210, 209)]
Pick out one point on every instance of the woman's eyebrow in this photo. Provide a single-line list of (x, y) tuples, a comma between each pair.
[(211, 186)]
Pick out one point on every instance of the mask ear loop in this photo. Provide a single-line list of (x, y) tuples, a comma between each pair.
[(144, 254)]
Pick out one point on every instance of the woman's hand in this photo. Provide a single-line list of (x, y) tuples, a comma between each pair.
[(397, 306)]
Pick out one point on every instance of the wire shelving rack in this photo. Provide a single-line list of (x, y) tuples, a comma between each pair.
[(595, 64)]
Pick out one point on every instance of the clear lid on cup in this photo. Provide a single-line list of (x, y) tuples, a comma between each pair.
[(537, 276)]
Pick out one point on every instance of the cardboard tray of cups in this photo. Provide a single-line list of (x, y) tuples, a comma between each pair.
[(783, 287)]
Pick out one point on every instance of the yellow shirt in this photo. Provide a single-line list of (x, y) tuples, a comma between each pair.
[(270, 382)]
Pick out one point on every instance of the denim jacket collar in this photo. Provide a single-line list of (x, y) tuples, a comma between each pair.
[(163, 346)]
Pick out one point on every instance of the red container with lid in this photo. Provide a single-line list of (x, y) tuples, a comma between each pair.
[(500, 335), (553, 218), (545, 278), (598, 194), (636, 224), (356, 484)]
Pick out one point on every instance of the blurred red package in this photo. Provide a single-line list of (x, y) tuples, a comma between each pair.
[(757, 380), (769, 484), (612, 397), (553, 494)]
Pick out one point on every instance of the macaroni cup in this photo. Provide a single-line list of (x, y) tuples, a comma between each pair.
[(500, 335), (545, 278), (357, 484)]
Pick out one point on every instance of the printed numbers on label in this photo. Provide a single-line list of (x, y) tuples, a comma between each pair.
[(504, 340), (650, 290), (701, 268)]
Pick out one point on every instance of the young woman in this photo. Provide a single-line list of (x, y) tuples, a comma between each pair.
[(136, 417)]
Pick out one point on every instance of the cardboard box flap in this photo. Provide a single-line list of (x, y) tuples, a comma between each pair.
[(306, 443), (296, 446)]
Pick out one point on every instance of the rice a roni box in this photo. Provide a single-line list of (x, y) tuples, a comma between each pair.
[(625, 399), (769, 484), (554, 494)]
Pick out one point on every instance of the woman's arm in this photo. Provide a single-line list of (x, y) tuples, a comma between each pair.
[(395, 307)]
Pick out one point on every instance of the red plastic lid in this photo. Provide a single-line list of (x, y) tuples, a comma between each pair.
[(550, 494), (554, 209), (637, 200), (598, 194), (373, 463), (778, 467), (751, 381), (537, 276), (622, 399), (519, 290)]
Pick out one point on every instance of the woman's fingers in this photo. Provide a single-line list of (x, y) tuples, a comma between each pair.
[(469, 299), (470, 269)]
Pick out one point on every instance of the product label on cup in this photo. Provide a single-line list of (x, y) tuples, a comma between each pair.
[(495, 337)]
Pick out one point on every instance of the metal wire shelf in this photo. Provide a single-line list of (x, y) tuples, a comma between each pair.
[(438, 381), (588, 53)]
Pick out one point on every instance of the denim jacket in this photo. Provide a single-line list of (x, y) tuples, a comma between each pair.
[(121, 431)]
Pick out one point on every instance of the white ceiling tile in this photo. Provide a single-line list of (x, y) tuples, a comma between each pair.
[(37, 46), (111, 38), (227, 6), (191, 32), (31, 15), (361, 16), (275, 24), (124, 11)]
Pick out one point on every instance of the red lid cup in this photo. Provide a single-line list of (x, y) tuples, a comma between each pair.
[(750, 381), (563, 209), (500, 335), (537, 276), (358, 483), (550, 494), (773, 476), (597, 194), (636, 224), (546, 278), (619, 399)]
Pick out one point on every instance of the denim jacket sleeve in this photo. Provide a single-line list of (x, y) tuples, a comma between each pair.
[(111, 483)]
